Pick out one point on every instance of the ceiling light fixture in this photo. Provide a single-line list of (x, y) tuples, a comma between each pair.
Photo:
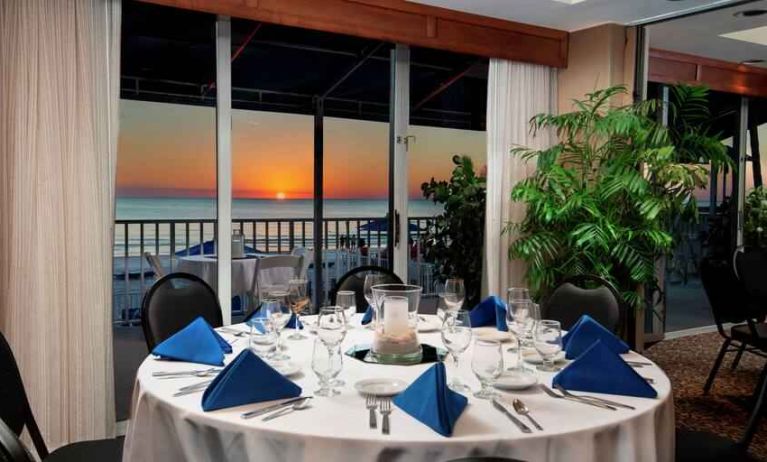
[(570, 2), (749, 62), (749, 13)]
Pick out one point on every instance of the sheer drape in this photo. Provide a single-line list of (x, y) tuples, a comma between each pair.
[(515, 93), (59, 90)]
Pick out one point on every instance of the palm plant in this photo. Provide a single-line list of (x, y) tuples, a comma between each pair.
[(602, 199)]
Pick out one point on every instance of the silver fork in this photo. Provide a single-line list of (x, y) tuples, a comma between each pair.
[(551, 393), (594, 398), (385, 411), (371, 403)]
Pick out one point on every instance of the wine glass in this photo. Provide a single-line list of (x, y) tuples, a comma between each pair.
[(487, 364), (455, 292), (331, 325), (347, 300), (533, 316), (276, 310), (517, 315), (326, 364), (456, 336), (262, 338), (547, 338), (298, 300), (517, 293), (372, 279)]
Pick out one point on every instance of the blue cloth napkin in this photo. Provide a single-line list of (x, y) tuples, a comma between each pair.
[(587, 331), (601, 370), (368, 316), (489, 312), (247, 379), (197, 343), (430, 401), (262, 314)]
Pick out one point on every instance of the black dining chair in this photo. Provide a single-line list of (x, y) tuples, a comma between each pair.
[(485, 459), (11, 447), (16, 414), (354, 280), (173, 302), (585, 294), (730, 304)]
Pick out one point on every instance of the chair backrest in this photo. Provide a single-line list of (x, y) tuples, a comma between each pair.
[(276, 270), (11, 447), (354, 280), (307, 255), (752, 272), (571, 299), (724, 291), (173, 302), (156, 264), (15, 411)]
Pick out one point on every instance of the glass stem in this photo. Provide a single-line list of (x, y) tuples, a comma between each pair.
[(548, 363), (519, 352)]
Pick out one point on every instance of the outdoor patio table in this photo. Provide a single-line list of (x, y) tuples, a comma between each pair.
[(167, 428), (206, 268)]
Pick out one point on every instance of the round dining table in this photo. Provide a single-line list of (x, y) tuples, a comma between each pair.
[(167, 428)]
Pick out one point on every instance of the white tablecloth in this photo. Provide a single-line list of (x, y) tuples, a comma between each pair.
[(164, 428), (206, 268)]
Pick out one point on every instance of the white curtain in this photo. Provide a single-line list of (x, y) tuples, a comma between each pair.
[(515, 93), (59, 90)]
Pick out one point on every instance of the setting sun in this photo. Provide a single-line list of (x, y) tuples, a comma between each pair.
[(280, 195)]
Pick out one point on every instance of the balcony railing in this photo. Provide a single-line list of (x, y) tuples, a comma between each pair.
[(347, 242)]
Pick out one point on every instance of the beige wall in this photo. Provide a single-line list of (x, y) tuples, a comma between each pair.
[(599, 57)]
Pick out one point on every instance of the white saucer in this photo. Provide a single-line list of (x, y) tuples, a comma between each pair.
[(380, 387), (509, 381), (431, 324), (532, 357), (286, 368), (491, 333)]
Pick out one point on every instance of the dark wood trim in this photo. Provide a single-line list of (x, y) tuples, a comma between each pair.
[(672, 67), (401, 22)]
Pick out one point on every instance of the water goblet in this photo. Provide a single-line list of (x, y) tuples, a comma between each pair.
[(456, 336), (547, 339), (347, 300), (298, 299), (517, 313), (327, 363), (262, 339), (372, 279), (331, 325), (487, 364), (276, 310), (455, 292)]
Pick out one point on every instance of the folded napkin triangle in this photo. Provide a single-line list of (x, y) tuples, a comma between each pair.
[(247, 379), (197, 343), (601, 370), (430, 401), (587, 331), (489, 312), (368, 316)]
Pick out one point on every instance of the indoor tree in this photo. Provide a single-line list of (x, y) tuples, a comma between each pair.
[(602, 199)]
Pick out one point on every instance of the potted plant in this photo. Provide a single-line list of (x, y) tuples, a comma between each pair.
[(455, 238), (755, 222), (602, 199)]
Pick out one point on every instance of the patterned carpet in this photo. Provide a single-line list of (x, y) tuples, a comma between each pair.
[(687, 361)]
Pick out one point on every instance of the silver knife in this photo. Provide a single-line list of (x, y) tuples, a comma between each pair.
[(274, 407), (517, 422)]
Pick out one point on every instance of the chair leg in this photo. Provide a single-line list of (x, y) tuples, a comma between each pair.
[(735, 361), (756, 413), (717, 365)]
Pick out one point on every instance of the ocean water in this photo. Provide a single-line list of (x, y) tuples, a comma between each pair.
[(176, 208)]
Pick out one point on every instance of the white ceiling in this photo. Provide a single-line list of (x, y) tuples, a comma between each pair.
[(572, 17), (701, 34)]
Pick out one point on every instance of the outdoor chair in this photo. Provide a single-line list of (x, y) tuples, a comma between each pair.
[(572, 299), (730, 304), (276, 271), (354, 280), (173, 302), (16, 414), (155, 264)]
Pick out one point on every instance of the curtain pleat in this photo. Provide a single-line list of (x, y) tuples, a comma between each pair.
[(59, 90), (515, 93)]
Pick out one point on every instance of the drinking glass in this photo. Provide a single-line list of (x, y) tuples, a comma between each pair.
[(372, 279), (455, 292), (533, 316), (262, 337), (326, 364), (276, 310), (456, 336), (517, 315), (331, 325), (347, 300), (547, 339), (517, 293), (298, 299), (487, 364)]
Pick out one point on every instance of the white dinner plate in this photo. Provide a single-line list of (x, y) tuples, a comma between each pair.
[(511, 381), (380, 387), (532, 357), (428, 323), (491, 333), (286, 368)]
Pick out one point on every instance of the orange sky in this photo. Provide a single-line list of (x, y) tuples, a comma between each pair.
[(169, 150)]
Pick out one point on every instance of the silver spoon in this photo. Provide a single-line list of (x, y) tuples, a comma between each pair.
[(299, 406), (521, 409), (207, 373)]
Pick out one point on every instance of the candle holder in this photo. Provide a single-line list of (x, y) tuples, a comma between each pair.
[(395, 334)]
